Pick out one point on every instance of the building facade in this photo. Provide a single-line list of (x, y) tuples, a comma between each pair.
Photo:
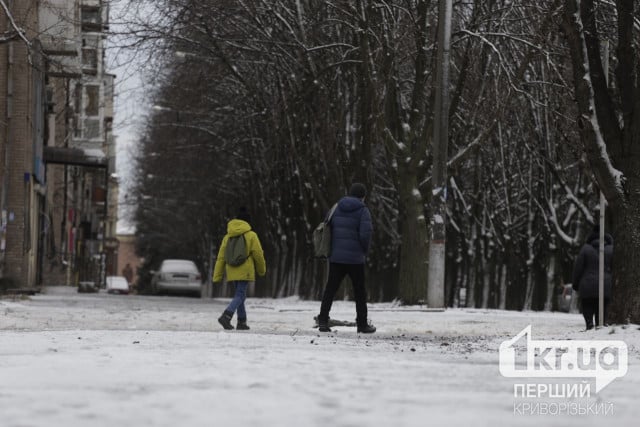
[(22, 186), (58, 209)]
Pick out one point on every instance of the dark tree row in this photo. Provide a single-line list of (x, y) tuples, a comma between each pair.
[(279, 105)]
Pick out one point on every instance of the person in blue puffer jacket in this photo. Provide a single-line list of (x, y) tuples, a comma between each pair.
[(351, 230)]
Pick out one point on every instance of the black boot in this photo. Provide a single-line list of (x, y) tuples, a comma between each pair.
[(323, 324), (366, 328), (225, 320), (242, 325)]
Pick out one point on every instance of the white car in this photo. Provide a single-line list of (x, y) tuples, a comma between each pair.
[(117, 285), (177, 275)]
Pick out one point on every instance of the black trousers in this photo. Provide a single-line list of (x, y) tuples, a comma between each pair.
[(590, 308), (336, 274)]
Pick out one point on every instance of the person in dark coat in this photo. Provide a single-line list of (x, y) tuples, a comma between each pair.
[(586, 273), (351, 230)]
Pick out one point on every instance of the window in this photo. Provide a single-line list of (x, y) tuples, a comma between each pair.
[(77, 98), (93, 100), (89, 58), (90, 53), (91, 18), (91, 128), (77, 129)]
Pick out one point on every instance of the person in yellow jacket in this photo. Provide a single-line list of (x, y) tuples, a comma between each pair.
[(239, 276)]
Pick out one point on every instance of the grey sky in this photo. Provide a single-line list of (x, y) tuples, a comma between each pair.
[(131, 104)]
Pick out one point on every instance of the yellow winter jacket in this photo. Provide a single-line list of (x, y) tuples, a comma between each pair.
[(255, 262)]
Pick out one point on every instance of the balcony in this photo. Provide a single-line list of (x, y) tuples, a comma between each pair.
[(109, 84), (64, 66), (91, 3), (94, 16), (59, 36), (90, 60), (88, 133)]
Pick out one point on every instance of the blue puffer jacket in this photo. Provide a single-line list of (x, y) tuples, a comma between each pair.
[(351, 230)]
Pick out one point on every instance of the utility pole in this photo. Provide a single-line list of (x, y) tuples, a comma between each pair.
[(437, 246)]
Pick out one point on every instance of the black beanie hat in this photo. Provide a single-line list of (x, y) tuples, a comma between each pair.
[(243, 214), (358, 190)]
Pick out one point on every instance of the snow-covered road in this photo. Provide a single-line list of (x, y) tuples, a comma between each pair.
[(70, 359)]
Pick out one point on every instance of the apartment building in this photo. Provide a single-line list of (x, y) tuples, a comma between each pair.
[(60, 222), (22, 186)]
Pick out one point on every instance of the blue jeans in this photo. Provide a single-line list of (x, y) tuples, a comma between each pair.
[(237, 303)]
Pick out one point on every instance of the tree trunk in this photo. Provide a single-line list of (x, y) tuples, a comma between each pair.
[(551, 274), (471, 280), (502, 304), (487, 255), (460, 276), (625, 304), (611, 138), (414, 252)]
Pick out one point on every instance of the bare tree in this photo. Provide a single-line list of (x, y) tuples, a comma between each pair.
[(15, 31), (279, 105), (610, 127)]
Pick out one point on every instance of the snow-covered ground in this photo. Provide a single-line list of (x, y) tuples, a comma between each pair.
[(69, 359)]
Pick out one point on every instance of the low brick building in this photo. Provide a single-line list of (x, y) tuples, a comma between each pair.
[(127, 255)]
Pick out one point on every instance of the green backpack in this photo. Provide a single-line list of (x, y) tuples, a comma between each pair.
[(235, 253)]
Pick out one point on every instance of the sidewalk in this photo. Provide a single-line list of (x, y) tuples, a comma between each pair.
[(102, 360)]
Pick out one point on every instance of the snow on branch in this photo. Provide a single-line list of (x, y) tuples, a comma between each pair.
[(20, 32), (553, 218), (461, 155), (606, 173)]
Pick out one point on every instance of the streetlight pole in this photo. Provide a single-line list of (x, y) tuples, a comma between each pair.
[(437, 243)]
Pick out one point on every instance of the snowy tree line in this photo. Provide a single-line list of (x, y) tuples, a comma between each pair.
[(279, 105)]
